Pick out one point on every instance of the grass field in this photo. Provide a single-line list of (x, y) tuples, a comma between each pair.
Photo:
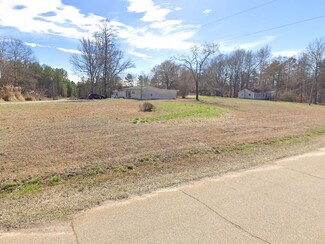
[(57, 158)]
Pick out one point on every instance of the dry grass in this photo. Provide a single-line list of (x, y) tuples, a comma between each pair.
[(11, 94), (91, 151)]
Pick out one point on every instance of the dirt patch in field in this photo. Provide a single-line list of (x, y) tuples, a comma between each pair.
[(59, 158)]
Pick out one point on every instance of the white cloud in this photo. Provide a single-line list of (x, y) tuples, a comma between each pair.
[(286, 53), (178, 9), (155, 15), (140, 6), (149, 40), (140, 55), (47, 17), (144, 38), (30, 44), (54, 17), (151, 11), (207, 11), (66, 50), (168, 24), (160, 33)]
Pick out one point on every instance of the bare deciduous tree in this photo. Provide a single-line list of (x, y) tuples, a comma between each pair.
[(17, 55), (195, 62), (316, 54), (165, 75), (236, 68), (111, 58), (87, 62), (185, 83), (2, 57), (100, 59), (250, 66), (216, 73), (263, 56), (302, 75)]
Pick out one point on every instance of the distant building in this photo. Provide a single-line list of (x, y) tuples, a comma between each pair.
[(145, 93), (257, 95)]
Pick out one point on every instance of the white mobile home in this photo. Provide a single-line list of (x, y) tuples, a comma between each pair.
[(145, 93), (248, 94)]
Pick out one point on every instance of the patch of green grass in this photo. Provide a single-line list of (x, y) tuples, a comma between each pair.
[(286, 139), (245, 147), (316, 132), (192, 152), (242, 148), (29, 187), (96, 170), (156, 164), (130, 166), (54, 180), (248, 147), (141, 120), (217, 150), (176, 110), (9, 185), (144, 160), (120, 168)]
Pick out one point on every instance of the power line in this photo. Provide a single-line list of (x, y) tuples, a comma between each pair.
[(240, 12), (272, 28), (277, 27), (236, 14), (268, 29)]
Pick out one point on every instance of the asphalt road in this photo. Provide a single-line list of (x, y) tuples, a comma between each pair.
[(282, 202)]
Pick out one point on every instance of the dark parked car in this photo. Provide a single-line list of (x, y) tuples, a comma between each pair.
[(95, 96)]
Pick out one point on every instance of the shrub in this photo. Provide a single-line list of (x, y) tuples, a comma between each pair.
[(11, 93), (18, 95), (288, 97), (7, 93), (32, 96), (147, 107)]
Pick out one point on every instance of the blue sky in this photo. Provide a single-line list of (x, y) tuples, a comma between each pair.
[(150, 31)]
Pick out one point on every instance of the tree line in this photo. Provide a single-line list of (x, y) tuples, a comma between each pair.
[(99, 64), (19, 68), (207, 71)]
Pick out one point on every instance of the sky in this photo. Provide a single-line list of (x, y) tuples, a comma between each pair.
[(151, 31)]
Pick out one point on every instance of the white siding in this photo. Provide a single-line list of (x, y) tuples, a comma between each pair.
[(260, 96), (156, 93), (148, 93), (121, 94), (246, 94), (135, 94)]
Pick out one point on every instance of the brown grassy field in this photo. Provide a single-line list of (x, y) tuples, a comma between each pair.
[(57, 158)]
